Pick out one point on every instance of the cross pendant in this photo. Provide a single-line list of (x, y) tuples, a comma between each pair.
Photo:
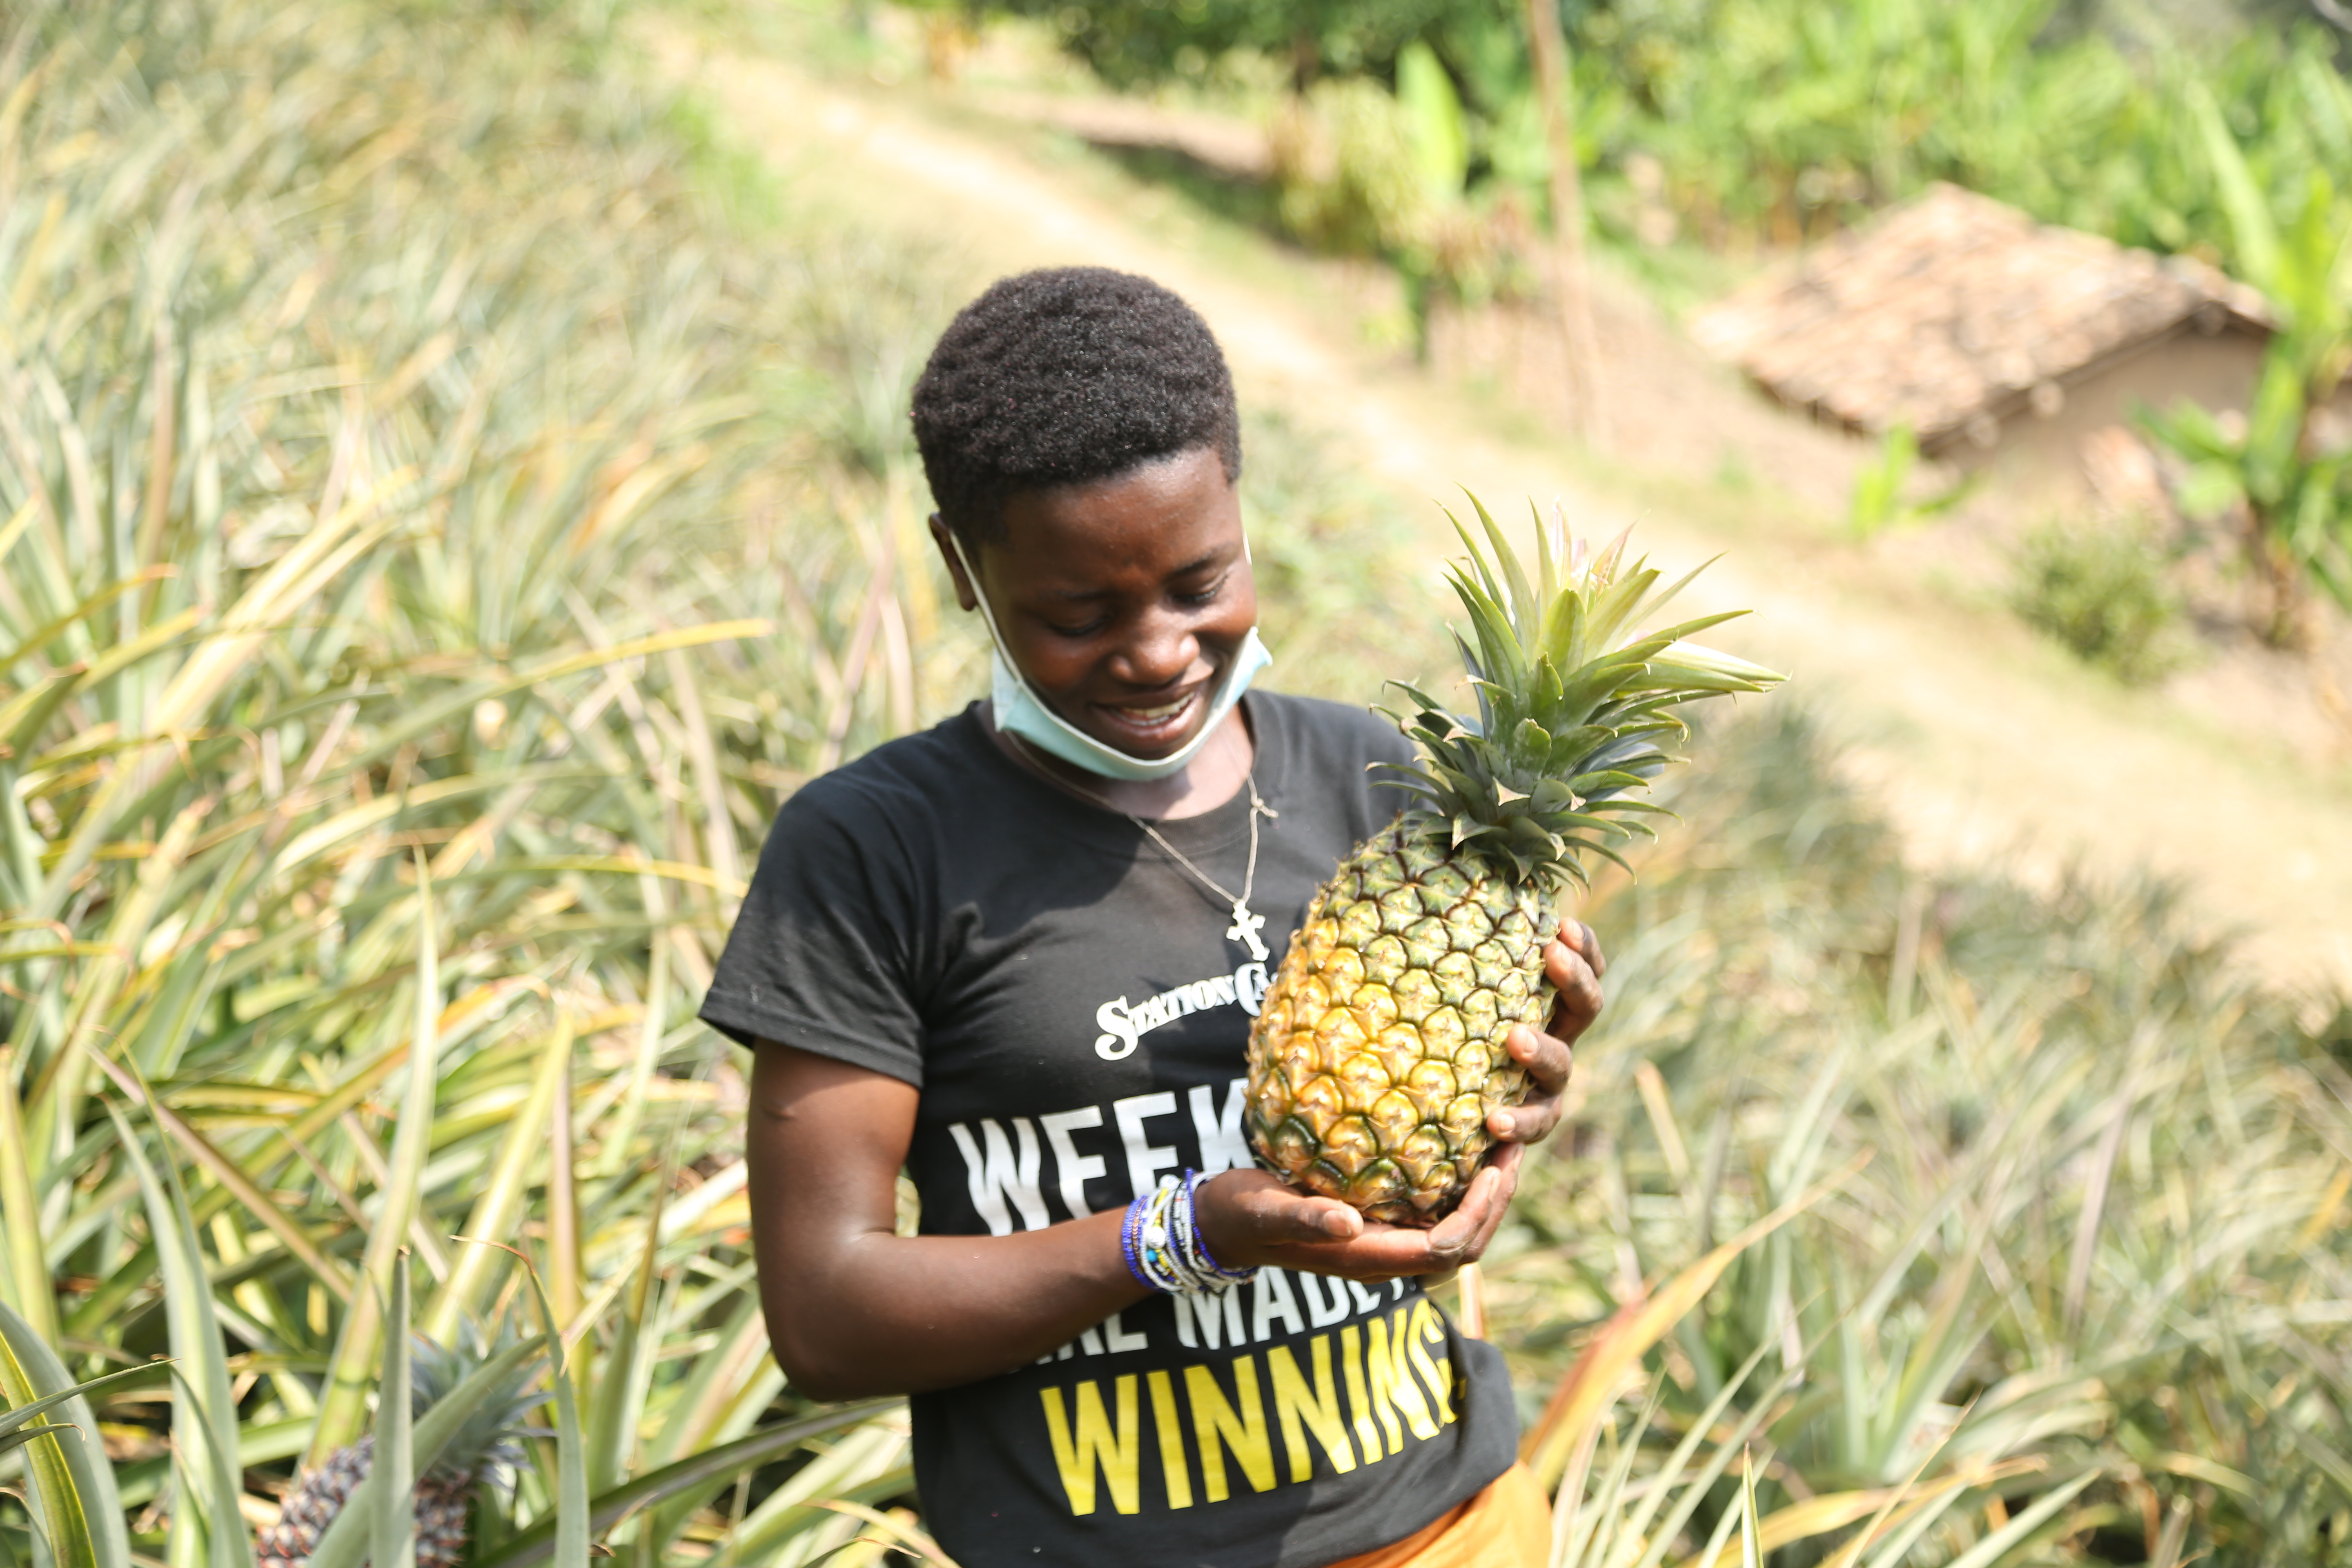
[(1244, 930)]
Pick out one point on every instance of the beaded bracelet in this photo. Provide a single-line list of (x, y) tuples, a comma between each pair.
[(1162, 1267), (1161, 1239), (1196, 1245), (1130, 1238)]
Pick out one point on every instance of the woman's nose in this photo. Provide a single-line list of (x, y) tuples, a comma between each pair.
[(1161, 652)]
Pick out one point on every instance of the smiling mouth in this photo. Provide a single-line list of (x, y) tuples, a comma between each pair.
[(1154, 721)]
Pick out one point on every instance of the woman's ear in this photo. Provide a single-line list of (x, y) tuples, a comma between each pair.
[(965, 594)]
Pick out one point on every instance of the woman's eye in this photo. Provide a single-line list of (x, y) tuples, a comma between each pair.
[(1204, 595)]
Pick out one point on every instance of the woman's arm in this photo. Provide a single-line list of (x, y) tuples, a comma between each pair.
[(854, 1308)]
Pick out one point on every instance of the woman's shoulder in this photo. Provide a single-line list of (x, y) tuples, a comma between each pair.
[(901, 793), (927, 767), (1318, 732), (1327, 756)]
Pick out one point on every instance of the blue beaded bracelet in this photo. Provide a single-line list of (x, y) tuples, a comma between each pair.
[(1128, 1230), (1197, 1244), (1160, 1240)]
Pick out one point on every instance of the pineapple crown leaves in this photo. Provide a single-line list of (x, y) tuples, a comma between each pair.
[(467, 1409), (485, 1393), (1574, 711)]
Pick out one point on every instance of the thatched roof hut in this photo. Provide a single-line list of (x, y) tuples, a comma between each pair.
[(1957, 314)]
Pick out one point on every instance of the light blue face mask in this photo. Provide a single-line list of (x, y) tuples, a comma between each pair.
[(1019, 710)]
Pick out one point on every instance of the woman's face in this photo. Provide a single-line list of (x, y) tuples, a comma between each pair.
[(1124, 601)]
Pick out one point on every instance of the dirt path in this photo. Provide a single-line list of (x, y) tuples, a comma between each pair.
[(1982, 743)]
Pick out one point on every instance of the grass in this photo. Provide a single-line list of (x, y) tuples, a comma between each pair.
[(447, 500)]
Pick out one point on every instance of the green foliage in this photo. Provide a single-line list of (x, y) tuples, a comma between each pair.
[(2103, 592), (1360, 170), (1434, 124), (1777, 119), (1575, 705), (1345, 168), (2292, 497), (71, 1498), (1878, 487), (1880, 501), (1127, 43)]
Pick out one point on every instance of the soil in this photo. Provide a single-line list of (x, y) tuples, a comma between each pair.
[(1986, 744)]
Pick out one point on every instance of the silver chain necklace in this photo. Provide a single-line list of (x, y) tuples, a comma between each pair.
[(1247, 925)]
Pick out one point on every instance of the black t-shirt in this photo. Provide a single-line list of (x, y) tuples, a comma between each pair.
[(1067, 999)]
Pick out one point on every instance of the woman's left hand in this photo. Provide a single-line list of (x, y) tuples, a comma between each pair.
[(1574, 964)]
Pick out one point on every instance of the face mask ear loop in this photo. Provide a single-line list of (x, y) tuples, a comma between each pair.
[(996, 636), (980, 595)]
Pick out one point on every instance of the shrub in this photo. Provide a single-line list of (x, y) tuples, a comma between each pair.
[(1343, 161), (2104, 593)]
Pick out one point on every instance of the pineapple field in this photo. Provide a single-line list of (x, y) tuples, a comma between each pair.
[(448, 500)]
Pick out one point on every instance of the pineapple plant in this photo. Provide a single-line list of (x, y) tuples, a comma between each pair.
[(488, 1444), (1379, 1051)]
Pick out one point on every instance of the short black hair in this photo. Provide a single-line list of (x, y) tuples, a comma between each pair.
[(1063, 376)]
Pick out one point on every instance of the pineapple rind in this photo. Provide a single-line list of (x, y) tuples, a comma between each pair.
[(443, 1509), (1379, 1049), (484, 1447)]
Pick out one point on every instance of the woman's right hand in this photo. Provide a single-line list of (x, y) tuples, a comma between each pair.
[(1250, 1218)]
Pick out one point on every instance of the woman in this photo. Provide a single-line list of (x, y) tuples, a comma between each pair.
[(1018, 955)]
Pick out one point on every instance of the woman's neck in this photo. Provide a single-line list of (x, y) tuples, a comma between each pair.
[(1213, 778)]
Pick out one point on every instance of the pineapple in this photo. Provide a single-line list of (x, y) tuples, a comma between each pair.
[(488, 1444), (1378, 1050)]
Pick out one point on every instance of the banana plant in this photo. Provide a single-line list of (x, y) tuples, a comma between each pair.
[(2290, 493)]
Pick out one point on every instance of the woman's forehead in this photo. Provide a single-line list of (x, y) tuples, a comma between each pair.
[(1165, 516)]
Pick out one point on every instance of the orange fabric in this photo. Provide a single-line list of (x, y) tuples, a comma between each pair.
[(1508, 1525)]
